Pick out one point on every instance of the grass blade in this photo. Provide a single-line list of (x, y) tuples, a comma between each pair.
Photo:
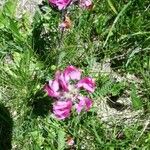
[(115, 21), (112, 6), (61, 140)]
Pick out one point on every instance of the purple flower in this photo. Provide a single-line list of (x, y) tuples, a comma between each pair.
[(52, 88), (87, 4), (84, 103), (62, 109), (65, 89), (87, 83), (72, 73), (61, 4)]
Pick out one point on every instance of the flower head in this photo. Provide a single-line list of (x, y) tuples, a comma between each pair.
[(61, 4), (70, 141), (87, 4), (65, 89)]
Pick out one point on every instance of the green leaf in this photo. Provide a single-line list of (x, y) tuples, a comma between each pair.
[(112, 6), (61, 139), (131, 56), (116, 88), (136, 101), (15, 29), (3, 20), (115, 21), (37, 137), (9, 7)]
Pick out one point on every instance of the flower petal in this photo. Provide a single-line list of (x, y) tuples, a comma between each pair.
[(70, 141), (63, 82), (62, 109), (87, 4), (87, 83), (72, 73), (61, 112), (61, 4), (59, 76), (63, 116), (52, 89), (84, 103), (61, 105), (53, 2), (80, 106), (88, 103), (54, 85)]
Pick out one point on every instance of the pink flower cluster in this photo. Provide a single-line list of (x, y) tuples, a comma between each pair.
[(63, 4), (65, 90)]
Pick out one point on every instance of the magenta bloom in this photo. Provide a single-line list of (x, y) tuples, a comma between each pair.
[(84, 103), (52, 88), (65, 89), (87, 83), (62, 109), (87, 4), (61, 4)]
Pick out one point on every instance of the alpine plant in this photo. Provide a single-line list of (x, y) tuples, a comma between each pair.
[(63, 4), (65, 89)]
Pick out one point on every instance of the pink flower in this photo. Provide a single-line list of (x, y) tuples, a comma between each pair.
[(84, 103), (70, 141), (87, 83), (61, 4), (85, 4), (65, 88), (72, 73), (63, 81), (62, 109), (52, 88)]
